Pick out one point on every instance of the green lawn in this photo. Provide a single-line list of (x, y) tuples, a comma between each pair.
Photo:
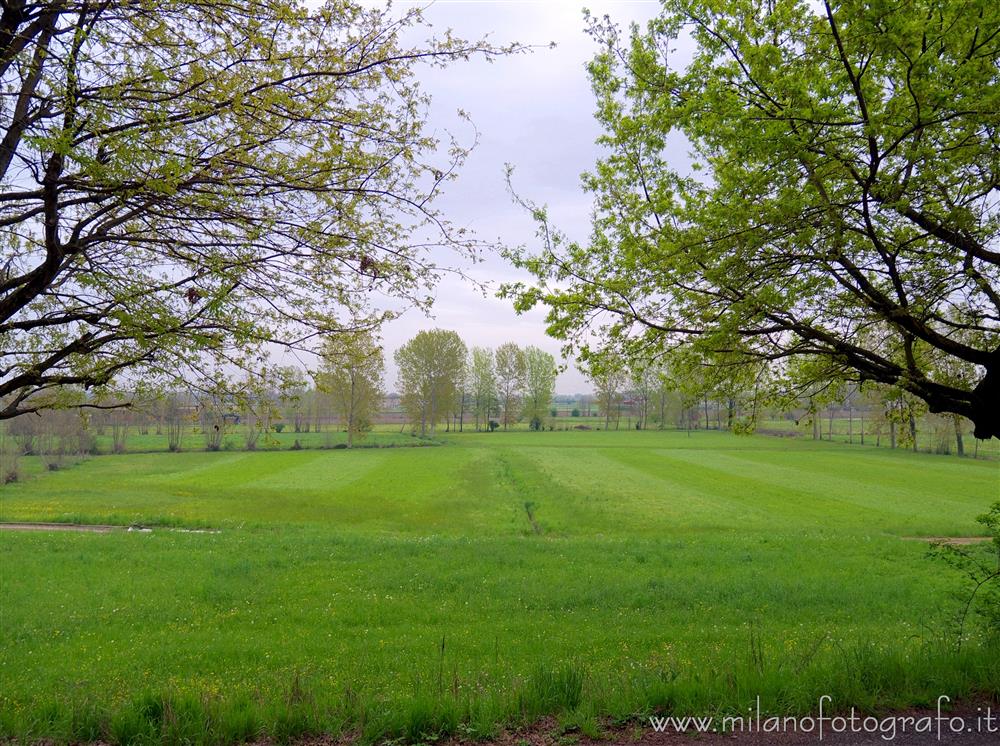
[(193, 439), (933, 435), (411, 592)]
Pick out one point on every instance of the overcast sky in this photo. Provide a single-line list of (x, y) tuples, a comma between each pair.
[(533, 111)]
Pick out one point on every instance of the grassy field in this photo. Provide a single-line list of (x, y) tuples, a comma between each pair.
[(842, 430), (194, 440), (416, 592)]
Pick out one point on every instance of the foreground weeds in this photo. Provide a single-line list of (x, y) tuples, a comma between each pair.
[(869, 677)]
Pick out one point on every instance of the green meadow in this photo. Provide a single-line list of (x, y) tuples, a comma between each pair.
[(486, 582)]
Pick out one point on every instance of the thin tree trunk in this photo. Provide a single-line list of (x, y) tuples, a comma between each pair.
[(350, 416), (960, 444)]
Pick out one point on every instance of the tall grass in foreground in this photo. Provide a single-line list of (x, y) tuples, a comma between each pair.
[(870, 677)]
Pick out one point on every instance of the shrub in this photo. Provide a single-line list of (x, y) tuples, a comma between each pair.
[(213, 437), (88, 444), (279, 427), (979, 565)]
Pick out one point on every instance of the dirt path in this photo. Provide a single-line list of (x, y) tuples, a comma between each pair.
[(956, 540), (963, 726), (96, 528), (91, 528)]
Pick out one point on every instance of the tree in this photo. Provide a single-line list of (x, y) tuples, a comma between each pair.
[(607, 374), (431, 371), (10, 456), (62, 434), (351, 373), (539, 385), (259, 409), (290, 398), (173, 413), (842, 204), (645, 382), (510, 371), (216, 411), (664, 398), (483, 385), (119, 413), (181, 181)]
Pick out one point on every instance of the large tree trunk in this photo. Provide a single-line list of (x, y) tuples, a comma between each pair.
[(986, 418)]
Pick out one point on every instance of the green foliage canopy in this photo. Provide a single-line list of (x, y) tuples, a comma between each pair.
[(351, 373), (540, 372), (842, 207), (183, 180), (432, 372)]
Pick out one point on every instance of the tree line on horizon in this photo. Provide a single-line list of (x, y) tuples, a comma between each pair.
[(650, 393), (442, 381)]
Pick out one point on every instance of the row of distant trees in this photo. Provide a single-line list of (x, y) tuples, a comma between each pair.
[(444, 382), (651, 394), (440, 380)]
